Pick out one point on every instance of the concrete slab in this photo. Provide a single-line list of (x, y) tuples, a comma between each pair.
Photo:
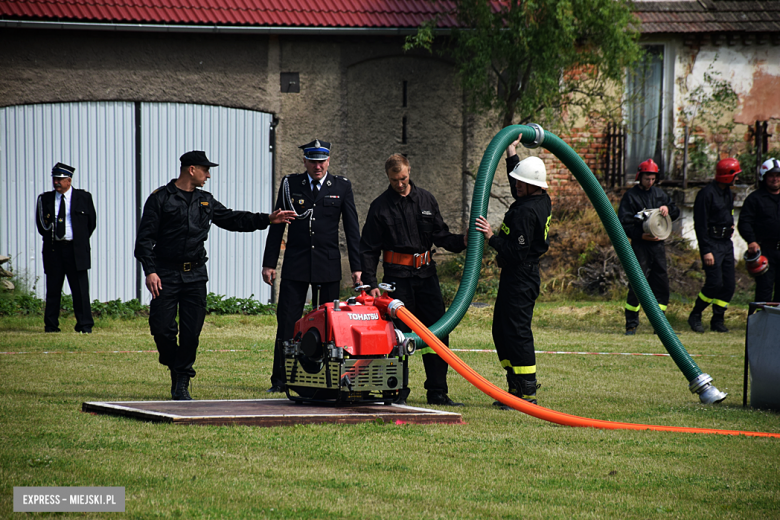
[(267, 412)]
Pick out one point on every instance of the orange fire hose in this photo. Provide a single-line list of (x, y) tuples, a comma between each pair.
[(534, 410)]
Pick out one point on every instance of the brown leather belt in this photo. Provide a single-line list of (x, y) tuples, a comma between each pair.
[(416, 260)]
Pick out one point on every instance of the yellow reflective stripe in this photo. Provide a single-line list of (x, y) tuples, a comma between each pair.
[(547, 227), (630, 308), (518, 370), (427, 350), (704, 298), (720, 303), (662, 307)]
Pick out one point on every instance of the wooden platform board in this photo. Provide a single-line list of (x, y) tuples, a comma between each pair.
[(267, 412)]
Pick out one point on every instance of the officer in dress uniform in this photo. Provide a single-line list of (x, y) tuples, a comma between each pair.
[(311, 258), (66, 219), (174, 225), (402, 226)]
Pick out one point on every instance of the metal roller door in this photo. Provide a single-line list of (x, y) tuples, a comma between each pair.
[(122, 151)]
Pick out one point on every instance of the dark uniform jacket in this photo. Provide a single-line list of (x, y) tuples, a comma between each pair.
[(713, 216), (408, 225), (635, 200), (522, 238), (83, 221), (312, 250), (173, 231), (759, 220)]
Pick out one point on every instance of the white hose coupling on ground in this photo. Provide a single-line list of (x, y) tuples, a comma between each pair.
[(708, 394)]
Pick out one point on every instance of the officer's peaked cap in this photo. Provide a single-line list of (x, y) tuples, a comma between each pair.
[(316, 150), (196, 158), (62, 170)]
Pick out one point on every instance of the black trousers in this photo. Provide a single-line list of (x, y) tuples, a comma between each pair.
[(422, 297), (652, 260), (719, 282), (56, 272), (189, 300), (770, 279), (292, 298), (518, 289)]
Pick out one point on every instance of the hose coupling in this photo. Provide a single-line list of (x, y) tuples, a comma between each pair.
[(538, 137), (393, 306), (708, 394)]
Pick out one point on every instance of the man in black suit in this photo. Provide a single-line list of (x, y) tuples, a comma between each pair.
[(66, 219), (320, 199)]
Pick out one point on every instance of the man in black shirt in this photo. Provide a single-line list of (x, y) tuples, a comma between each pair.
[(520, 242), (759, 225), (649, 250), (713, 221), (402, 226), (174, 225)]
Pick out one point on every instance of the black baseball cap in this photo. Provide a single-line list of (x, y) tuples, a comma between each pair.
[(196, 158)]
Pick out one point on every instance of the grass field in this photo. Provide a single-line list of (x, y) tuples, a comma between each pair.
[(498, 464)]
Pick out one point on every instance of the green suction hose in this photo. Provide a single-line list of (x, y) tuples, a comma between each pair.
[(533, 136)]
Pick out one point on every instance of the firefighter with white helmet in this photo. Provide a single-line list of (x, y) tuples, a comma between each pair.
[(713, 221), (520, 242), (759, 225), (649, 249)]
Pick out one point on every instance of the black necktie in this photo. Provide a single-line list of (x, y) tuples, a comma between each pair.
[(315, 189), (61, 219)]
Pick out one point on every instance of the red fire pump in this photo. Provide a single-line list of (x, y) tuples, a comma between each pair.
[(347, 352)]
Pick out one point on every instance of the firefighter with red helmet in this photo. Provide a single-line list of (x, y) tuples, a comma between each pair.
[(713, 221), (759, 225), (649, 249)]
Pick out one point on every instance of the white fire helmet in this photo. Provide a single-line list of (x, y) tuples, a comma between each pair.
[(770, 165), (531, 170)]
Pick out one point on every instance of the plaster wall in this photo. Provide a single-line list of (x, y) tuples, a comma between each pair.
[(753, 71)]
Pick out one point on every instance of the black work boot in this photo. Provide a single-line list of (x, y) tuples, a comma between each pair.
[(182, 385), (173, 383), (511, 388), (524, 389), (718, 316), (694, 320), (440, 398)]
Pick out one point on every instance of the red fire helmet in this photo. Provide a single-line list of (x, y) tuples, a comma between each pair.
[(648, 166), (757, 264), (726, 170)]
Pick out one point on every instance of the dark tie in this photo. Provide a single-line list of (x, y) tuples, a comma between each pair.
[(61, 219), (315, 189)]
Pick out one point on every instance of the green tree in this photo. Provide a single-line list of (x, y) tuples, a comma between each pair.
[(530, 60)]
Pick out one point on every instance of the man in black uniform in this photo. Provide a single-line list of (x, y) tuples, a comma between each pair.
[(311, 257), (759, 225), (402, 225), (175, 224), (649, 250), (66, 219), (520, 242), (713, 221)]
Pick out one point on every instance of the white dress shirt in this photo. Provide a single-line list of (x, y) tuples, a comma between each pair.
[(68, 227)]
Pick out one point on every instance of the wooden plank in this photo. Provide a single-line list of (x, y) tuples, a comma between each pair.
[(267, 412)]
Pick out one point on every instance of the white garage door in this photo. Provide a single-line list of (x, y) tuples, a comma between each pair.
[(122, 152)]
